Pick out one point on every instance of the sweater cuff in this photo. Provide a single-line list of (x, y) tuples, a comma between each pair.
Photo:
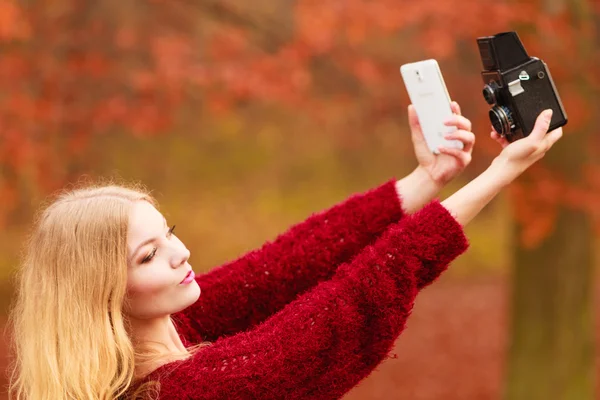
[(375, 209), (388, 198), (441, 238)]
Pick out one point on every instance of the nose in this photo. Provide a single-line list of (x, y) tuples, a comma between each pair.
[(180, 256)]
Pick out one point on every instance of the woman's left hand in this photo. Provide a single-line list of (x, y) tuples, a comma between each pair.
[(443, 167)]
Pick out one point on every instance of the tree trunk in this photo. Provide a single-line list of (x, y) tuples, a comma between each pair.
[(551, 353)]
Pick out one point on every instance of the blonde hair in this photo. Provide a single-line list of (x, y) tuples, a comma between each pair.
[(69, 333)]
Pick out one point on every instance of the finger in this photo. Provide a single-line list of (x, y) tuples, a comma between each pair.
[(463, 157), (499, 139), (467, 138), (553, 137), (455, 108), (413, 121), (459, 121), (495, 135), (542, 123)]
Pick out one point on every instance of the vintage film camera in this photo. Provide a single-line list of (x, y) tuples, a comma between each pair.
[(518, 87)]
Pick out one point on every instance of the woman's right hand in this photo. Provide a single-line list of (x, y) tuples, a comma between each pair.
[(519, 155)]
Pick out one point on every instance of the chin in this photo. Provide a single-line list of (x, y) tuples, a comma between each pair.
[(192, 294)]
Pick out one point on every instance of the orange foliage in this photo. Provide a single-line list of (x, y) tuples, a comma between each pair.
[(77, 69), (535, 207), (13, 24)]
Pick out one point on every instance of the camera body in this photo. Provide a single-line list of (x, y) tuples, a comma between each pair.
[(518, 87)]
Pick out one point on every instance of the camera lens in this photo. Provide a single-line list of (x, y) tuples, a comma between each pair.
[(502, 120), (489, 93)]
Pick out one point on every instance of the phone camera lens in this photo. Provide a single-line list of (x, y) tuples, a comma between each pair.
[(501, 119)]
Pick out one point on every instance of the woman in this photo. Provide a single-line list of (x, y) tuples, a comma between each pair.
[(108, 306)]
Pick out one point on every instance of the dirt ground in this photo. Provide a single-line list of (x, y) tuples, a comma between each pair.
[(453, 348)]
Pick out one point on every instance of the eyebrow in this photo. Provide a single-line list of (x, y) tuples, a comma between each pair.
[(144, 243)]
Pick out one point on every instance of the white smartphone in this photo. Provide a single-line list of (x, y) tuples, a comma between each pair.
[(429, 96)]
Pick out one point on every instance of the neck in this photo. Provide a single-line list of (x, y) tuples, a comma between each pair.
[(156, 342)]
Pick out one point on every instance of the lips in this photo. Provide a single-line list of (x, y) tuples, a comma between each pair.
[(188, 278)]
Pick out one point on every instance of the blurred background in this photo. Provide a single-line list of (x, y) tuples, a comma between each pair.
[(246, 117)]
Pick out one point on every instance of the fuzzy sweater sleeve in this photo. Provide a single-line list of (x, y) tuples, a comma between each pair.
[(323, 343), (245, 292)]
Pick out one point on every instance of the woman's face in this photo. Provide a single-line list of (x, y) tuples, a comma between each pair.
[(160, 280)]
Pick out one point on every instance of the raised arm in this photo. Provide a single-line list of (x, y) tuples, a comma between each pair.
[(327, 340), (514, 160), (245, 292)]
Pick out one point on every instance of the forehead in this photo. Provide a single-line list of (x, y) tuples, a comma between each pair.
[(144, 219)]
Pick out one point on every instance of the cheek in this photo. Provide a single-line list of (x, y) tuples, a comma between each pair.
[(148, 292), (155, 292), (147, 282)]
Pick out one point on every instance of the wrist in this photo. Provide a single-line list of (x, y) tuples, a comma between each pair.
[(426, 181), (467, 202), (503, 171), (416, 189)]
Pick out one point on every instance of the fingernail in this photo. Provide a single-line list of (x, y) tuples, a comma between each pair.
[(548, 114)]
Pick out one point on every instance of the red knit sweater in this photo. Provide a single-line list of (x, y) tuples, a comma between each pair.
[(311, 314)]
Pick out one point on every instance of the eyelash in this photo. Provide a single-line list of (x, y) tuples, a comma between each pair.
[(151, 255)]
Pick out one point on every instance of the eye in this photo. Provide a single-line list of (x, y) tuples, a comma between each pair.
[(150, 256), (170, 232)]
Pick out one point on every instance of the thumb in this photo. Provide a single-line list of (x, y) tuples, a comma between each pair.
[(542, 123), (413, 121)]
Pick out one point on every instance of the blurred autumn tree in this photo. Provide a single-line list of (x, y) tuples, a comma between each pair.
[(72, 69), (552, 351)]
